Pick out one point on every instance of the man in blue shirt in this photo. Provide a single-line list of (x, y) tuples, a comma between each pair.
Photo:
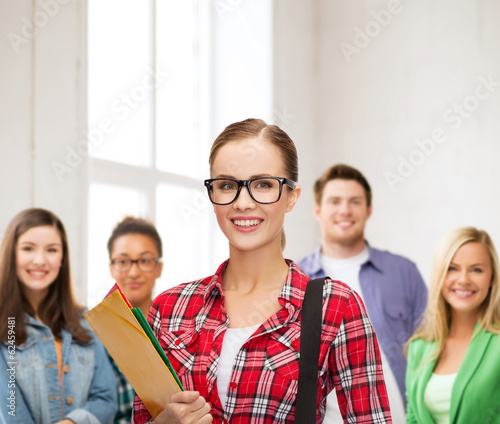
[(391, 287)]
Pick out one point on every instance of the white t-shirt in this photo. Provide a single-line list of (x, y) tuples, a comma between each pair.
[(234, 338), (347, 271)]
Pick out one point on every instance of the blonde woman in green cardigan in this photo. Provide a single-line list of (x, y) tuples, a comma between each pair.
[(453, 373)]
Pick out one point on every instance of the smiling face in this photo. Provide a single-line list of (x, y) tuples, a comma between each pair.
[(136, 285), (343, 212), (39, 252), (468, 279), (249, 225)]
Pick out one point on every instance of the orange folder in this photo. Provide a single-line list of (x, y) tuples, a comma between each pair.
[(132, 346)]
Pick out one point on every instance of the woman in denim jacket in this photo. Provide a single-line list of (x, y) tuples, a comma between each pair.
[(52, 367)]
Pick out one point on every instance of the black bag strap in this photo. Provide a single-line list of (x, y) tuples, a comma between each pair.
[(310, 338)]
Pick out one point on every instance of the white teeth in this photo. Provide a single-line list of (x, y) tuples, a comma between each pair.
[(38, 273), (463, 292), (246, 222), (344, 224)]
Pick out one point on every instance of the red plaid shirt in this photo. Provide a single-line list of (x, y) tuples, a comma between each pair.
[(190, 321)]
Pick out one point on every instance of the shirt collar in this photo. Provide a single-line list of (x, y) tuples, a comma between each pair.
[(214, 286), (33, 321), (295, 285), (374, 258)]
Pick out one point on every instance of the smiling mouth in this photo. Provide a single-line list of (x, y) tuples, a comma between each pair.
[(345, 224), (37, 273), (246, 223), (135, 284), (464, 293)]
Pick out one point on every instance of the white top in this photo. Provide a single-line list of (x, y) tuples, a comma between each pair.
[(233, 340), (347, 271), (437, 397)]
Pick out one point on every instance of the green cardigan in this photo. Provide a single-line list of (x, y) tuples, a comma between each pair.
[(475, 397)]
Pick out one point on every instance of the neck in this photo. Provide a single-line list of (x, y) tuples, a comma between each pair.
[(338, 250), (144, 306), (35, 298), (260, 268), (462, 324)]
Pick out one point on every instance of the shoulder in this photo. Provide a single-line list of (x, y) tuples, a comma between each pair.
[(341, 304), (419, 350), (181, 299), (183, 291), (485, 340), (309, 258), (390, 258), (396, 266), (312, 265)]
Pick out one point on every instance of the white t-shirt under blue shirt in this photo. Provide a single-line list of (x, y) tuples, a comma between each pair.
[(347, 271)]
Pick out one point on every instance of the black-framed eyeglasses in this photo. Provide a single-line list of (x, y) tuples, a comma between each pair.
[(264, 190), (144, 264)]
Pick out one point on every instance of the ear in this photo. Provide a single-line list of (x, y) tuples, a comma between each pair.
[(293, 197), (369, 212), (159, 270), (317, 211)]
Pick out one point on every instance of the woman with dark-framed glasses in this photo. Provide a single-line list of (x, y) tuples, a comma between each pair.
[(234, 338), (135, 251)]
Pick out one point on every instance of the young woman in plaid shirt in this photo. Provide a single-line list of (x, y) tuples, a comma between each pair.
[(234, 337)]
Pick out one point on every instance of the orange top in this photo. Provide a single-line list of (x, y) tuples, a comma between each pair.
[(59, 358)]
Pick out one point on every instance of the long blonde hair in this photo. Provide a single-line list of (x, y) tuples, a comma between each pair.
[(435, 324)]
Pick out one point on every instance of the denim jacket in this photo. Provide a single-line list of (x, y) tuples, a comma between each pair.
[(29, 375)]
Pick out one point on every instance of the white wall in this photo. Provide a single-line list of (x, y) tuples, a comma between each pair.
[(295, 101), (366, 111), (398, 85), (42, 110)]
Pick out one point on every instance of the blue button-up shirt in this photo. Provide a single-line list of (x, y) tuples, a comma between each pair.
[(395, 297)]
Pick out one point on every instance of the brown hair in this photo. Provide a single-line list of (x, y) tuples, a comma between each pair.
[(59, 309), (258, 129), (342, 172), (133, 225)]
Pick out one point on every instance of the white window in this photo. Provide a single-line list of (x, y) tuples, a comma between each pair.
[(164, 78)]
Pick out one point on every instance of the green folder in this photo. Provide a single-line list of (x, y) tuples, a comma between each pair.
[(149, 332)]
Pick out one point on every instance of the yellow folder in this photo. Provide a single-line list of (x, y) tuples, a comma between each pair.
[(150, 374)]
